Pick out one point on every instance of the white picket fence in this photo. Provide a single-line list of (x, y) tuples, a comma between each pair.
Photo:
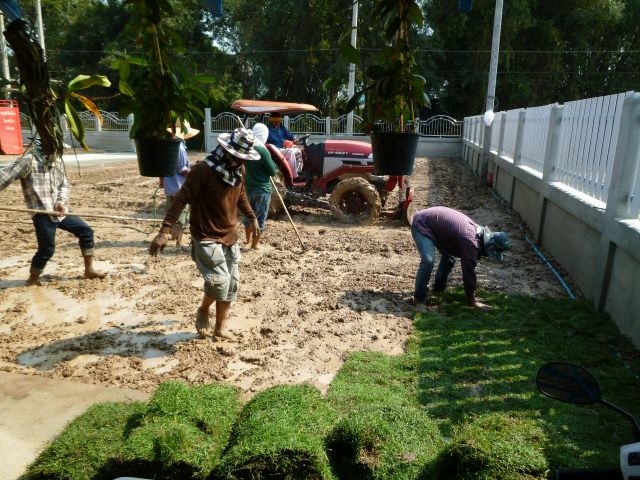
[(583, 157)]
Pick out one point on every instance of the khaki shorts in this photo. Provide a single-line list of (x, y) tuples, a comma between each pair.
[(218, 264)]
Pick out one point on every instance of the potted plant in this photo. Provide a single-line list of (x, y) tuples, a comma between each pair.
[(158, 88), (394, 92)]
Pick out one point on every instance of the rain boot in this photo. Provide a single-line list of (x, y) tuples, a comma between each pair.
[(89, 271), (34, 277)]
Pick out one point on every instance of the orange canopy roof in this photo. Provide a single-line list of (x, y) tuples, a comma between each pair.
[(267, 106)]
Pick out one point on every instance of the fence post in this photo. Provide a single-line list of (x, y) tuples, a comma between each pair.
[(97, 123), (550, 160), (206, 128), (624, 166), (503, 123), (517, 154), (327, 126), (130, 120), (286, 122)]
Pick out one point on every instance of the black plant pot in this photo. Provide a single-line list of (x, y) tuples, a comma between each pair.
[(394, 153), (157, 157)]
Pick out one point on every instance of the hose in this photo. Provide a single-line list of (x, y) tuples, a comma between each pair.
[(555, 272)]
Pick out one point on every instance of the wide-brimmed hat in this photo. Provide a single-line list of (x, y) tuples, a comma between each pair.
[(185, 132), (239, 143), (495, 243)]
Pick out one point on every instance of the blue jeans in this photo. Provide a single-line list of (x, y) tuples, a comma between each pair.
[(259, 202), (427, 251), (46, 236)]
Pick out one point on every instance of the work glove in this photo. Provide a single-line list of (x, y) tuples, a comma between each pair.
[(158, 244)]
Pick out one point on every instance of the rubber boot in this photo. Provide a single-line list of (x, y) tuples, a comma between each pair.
[(89, 272), (34, 277)]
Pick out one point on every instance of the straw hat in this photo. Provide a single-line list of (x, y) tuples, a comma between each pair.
[(184, 133)]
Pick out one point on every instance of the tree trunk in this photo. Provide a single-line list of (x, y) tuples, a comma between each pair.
[(34, 75)]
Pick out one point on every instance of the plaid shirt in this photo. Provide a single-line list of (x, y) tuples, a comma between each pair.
[(42, 186)]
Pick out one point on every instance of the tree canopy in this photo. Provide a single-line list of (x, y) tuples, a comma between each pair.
[(286, 49)]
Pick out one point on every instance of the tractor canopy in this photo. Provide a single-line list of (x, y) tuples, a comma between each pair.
[(258, 107)]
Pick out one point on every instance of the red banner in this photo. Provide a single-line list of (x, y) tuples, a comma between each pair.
[(10, 133)]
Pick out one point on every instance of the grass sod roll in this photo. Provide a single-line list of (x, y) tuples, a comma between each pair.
[(391, 441), (495, 446), (84, 450), (280, 434), (182, 432)]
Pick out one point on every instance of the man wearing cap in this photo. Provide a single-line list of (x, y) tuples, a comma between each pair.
[(278, 133), (455, 236), (214, 188)]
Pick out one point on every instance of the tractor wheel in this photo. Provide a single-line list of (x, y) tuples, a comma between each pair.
[(355, 200), (275, 207)]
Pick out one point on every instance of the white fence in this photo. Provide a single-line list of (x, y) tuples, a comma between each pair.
[(439, 126), (572, 172)]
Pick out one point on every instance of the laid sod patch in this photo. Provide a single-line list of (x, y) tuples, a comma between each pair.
[(368, 378), (280, 434), (83, 451), (473, 363), (181, 433), (494, 446), (383, 442)]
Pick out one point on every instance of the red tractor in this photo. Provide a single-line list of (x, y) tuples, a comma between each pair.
[(341, 168)]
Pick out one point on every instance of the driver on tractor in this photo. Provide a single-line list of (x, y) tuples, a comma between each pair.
[(282, 139)]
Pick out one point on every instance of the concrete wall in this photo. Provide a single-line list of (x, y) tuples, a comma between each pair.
[(596, 242)]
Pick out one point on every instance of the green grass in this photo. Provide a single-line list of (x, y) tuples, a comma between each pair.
[(461, 403), (182, 432), (473, 363), (83, 451), (280, 434)]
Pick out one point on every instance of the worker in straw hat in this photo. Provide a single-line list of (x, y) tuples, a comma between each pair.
[(173, 183), (455, 236), (215, 189)]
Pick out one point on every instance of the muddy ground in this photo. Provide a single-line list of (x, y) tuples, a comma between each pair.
[(299, 312)]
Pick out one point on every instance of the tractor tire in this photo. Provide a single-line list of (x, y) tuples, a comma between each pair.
[(355, 200), (275, 207)]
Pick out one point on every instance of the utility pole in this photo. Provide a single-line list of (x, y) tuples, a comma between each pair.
[(5, 59), (352, 66), (40, 28), (491, 88)]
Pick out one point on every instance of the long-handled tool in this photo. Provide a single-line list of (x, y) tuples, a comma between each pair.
[(275, 188), (77, 214)]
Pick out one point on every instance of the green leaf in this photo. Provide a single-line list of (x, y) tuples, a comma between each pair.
[(85, 81), (75, 124), (350, 53), (376, 71), (415, 14)]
